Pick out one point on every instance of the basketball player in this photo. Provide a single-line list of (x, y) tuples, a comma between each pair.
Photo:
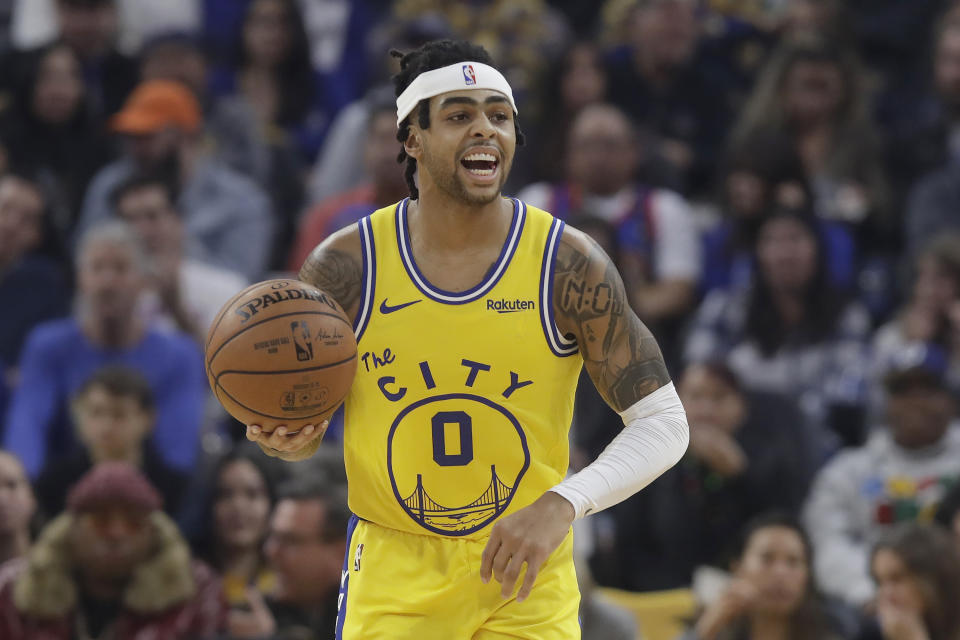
[(474, 314)]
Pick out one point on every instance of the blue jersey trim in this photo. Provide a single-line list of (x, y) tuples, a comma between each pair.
[(493, 276), (368, 279), (345, 578), (558, 343)]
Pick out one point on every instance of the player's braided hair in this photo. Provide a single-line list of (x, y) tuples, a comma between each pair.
[(430, 56)]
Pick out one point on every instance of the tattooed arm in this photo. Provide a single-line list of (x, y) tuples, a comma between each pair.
[(625, 363), (335, 266), (591, 305)]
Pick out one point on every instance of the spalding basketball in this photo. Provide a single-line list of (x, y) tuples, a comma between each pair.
[(281, 352)]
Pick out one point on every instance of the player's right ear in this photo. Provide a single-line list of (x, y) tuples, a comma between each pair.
[(412, 145)]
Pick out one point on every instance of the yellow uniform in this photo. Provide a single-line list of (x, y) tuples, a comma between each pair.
[(458, 415)]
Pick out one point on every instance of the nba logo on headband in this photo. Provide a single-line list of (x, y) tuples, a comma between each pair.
[(469, 77)]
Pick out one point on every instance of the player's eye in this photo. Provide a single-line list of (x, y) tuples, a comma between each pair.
[(457, 117)]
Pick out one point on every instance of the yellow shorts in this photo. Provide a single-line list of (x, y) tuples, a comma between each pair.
[(399, 586)]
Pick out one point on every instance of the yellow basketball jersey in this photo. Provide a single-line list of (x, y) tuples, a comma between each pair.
[(462, 403)]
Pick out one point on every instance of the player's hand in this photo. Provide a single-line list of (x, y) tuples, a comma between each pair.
[(288, 445), (528, 536)]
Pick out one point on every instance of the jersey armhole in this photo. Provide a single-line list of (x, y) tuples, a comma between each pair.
[(368, 277), (558, 343)]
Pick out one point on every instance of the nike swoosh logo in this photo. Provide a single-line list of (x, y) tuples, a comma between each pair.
[(385, 308)]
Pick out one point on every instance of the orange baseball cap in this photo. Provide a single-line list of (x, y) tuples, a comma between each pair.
[(156, 104)]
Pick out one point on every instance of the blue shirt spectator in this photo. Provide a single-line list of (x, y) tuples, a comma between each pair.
[(60, 355), (58, 358)]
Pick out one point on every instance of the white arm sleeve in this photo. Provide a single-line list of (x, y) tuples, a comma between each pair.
[(654, 439)]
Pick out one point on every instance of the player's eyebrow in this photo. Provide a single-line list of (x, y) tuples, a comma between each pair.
[(446, 102)]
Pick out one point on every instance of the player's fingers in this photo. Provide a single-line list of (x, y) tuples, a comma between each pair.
[(489, 553), (511, 573), (533, 568), (253, 432), (500, 562)]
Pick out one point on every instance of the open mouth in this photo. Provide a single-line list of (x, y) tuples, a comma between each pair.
[(480, 164)]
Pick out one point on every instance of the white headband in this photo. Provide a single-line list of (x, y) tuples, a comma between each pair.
[(455, 77)]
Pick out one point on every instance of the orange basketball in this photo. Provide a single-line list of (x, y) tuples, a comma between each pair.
[(281, 352)]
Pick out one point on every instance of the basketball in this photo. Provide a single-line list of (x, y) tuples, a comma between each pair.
[(281, 352)]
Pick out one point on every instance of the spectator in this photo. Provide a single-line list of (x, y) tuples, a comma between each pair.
[(34, 281), (237, 511), (917, 572), (51, 131), (137, 20), (577, 80), (114, 413), (18, 506), (660, 258), (900, 475), (227, 214), (113, 564), (810, 92), (89, 27), (791, 332), (305, 547), (384, 185), (930, 142), (188, 293), (760, 176), (928, 316), (748, 455), (339, 164), (667, 89), (771, 592), (60, 355), (272, 55)]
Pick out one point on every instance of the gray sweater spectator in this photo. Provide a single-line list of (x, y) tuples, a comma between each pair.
[(225, 212), (899, 475)]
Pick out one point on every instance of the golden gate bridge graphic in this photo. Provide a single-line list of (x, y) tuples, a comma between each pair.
[(429, 512)]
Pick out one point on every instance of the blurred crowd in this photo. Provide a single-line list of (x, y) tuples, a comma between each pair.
[(777, 180)]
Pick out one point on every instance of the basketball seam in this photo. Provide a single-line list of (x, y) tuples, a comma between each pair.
[(283, 371)]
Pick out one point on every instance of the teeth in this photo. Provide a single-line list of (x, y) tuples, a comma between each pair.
[(481, 157), (481, 172)]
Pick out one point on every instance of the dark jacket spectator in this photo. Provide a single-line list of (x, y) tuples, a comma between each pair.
[(34, 280), (748, 455), (111, 563), (659, 80)]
